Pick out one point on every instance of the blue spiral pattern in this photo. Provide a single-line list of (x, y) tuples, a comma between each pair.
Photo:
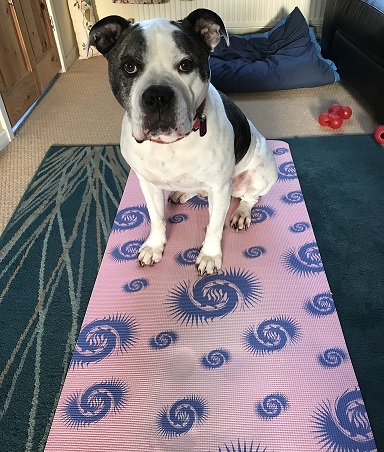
[(293, 197), (286, 172), (333, 357), (215, 358), (181, 416), (254, 252), (163, 340), (198, 202), (272, 406), (128, 251), (178, 218), (305, 262), (130, 218), (320, 305), (213, 297), (300, 227), (280, 151), (242, 447), (187, 257), (261, 213), (135, 285), (345, 426), (96, 402), (100, 338), (271, 335)]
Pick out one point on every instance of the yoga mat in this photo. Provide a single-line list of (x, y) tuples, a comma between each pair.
[(250, 359)]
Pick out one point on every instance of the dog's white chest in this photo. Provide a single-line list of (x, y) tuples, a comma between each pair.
[(172, 175), (192, 163)]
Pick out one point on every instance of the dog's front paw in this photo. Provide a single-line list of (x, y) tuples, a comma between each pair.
[(178, 197), (149, 255), (208, 265)]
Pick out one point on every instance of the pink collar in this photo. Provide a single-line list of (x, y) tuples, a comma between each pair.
[(199, 123)]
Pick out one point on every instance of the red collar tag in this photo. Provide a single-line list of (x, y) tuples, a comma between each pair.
[(200, 120)]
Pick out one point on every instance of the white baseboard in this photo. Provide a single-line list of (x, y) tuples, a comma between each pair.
[(6, 132), (4, 139)]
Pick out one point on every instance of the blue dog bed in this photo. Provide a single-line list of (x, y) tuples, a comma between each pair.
[(286, 57)]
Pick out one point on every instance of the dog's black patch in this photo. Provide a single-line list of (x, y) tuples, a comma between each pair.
[(130, 47), (192, 46), (240, 127)]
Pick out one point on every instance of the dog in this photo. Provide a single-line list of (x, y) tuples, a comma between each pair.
[(179, 133)]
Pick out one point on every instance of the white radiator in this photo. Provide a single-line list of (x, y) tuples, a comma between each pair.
[(240, 16)]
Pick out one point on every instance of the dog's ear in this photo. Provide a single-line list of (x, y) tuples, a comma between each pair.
[(208, 25), (105, 33)]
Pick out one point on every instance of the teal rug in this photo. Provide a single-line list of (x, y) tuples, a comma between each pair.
[(51, 250), (50, 253), (342, 179)]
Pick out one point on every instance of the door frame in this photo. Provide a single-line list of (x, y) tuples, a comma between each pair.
[(6, 131)]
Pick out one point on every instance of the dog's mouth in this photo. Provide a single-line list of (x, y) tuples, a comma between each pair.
[(161, 133)]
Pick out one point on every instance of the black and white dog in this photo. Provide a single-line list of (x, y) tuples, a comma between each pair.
[(179, 133)]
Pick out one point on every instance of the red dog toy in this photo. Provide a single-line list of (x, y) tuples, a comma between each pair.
[(340, 110), (379, 134), (335, 115), (330, 120)]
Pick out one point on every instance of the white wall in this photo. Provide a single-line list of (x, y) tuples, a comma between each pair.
[(64, 33), (107, 8), (64, 25)]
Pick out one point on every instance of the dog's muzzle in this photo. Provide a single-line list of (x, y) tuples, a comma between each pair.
[(158, 105)]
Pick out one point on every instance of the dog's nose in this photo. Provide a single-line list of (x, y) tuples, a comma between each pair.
[(158, 98)]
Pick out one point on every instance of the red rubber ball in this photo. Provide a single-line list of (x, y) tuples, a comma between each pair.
[(379, 134), (346, 112), (335, 109), (324, 119), (335, 121)]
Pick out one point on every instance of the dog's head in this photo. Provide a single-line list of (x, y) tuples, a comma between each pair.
[(159, 70)]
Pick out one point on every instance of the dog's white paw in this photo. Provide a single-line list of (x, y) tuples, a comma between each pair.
[(241, 217), (239, 221), (208, 265), (149, 255)]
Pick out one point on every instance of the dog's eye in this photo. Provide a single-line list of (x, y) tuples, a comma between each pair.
[(130, 68), (186, 66)]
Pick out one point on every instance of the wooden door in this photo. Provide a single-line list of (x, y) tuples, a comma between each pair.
[(28, 54)]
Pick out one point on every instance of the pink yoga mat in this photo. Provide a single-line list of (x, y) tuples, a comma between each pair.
[(251, 359)]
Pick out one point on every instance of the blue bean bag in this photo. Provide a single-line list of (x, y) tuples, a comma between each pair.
[(286, 57)]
